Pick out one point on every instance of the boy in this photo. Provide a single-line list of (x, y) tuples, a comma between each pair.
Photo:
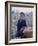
[(21, 25)]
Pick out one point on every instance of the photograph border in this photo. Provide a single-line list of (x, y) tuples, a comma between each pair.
[(6, 22)]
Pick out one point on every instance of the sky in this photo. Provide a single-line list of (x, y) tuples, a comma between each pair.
[(21, 9)]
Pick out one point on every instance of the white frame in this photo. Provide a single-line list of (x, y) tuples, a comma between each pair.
[(34, 23)]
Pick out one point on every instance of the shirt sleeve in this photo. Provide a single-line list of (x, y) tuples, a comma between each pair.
[(18, 25), (24, 23)]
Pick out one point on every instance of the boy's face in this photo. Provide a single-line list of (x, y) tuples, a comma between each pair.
[(22, 17)]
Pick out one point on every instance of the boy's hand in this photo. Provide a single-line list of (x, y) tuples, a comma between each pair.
[(22, 29)]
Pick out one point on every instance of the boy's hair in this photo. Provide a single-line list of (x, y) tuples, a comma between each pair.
[(22, 13)]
